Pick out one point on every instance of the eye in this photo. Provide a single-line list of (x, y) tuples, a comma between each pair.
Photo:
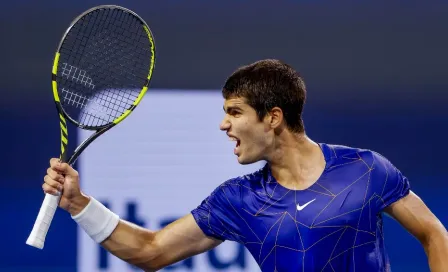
[(235, 113)]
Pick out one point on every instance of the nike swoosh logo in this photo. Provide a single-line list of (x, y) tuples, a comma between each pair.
[(299, 208)]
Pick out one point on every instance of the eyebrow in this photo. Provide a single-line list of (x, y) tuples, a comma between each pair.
[(231, 108)]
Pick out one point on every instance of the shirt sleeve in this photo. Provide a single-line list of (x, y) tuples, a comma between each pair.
[(216, 215), (395, 185)]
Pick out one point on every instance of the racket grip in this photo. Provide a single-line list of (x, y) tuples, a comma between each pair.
[(43, 221)]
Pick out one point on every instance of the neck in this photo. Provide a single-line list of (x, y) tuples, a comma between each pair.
[(297, 161)]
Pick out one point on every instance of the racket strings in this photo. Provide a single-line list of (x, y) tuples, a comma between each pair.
[(96, 110), (103, 66), (78, 75)]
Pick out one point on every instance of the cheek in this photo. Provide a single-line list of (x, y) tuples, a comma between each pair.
[(259, 136)]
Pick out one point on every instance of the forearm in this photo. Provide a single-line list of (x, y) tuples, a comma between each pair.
[(436, 248), (132, 244), (123, 239)]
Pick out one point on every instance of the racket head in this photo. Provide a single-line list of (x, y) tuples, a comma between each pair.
[(102, 67)]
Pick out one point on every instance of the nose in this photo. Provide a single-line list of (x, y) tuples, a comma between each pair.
[(225, 124)]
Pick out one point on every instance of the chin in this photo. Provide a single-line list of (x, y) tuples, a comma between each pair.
[(245, 161), (242, 162)]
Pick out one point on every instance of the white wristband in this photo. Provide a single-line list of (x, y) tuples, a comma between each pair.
[(97, 220)]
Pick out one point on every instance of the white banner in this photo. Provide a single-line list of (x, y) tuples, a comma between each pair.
[(158, 165)]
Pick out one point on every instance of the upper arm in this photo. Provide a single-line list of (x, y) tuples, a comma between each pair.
[(179, 240), (398, 201), (412, 213), (208, 225), (390, 184)]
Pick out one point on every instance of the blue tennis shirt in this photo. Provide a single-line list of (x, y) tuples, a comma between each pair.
[(334, 225)]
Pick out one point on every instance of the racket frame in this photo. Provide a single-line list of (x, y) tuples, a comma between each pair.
[(49, 206)]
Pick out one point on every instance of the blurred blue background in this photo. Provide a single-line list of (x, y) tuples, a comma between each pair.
[(375, 72)]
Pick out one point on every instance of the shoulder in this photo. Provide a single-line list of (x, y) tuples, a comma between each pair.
[(375, 163), (370, 157), (236, 186), (217, 215), (361, 160)]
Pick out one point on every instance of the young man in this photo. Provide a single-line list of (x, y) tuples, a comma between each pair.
[(312, 207)]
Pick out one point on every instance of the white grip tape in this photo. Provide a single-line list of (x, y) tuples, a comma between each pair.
[(97, 221), (43, 221)]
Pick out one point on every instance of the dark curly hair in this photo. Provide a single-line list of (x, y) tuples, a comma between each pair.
[(270, 83)]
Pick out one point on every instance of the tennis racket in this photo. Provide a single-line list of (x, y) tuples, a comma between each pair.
[(101, 71)]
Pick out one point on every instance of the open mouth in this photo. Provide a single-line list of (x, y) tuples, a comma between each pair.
[(236, 140)]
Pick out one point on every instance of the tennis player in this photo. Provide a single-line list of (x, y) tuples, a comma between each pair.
[(312, 207)]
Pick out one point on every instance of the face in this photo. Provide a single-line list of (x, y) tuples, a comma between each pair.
[(253, 138)]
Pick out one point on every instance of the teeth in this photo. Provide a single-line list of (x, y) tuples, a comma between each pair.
[(233, 139)]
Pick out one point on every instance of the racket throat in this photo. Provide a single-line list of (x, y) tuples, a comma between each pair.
[(64, 138)]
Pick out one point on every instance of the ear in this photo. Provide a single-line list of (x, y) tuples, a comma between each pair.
[(275, 118)]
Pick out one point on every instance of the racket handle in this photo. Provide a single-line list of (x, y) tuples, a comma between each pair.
[(43, 221)]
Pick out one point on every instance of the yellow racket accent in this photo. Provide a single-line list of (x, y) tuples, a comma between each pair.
[(55, 91), (127, 112), (55, 63), (63, 124), (151, 41), (55, 71), (140, 96), (64, 134)]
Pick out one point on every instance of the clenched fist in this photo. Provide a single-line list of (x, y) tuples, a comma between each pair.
[(62, 178)]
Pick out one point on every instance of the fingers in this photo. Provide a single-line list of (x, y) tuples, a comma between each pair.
[(62, 167), (55, 175), (54, 161), (54, 180), (51, 186)]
